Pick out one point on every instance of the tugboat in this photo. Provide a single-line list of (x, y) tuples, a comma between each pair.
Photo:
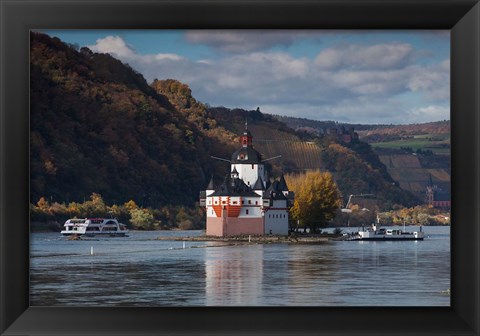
[(382, 234), (91, 227)]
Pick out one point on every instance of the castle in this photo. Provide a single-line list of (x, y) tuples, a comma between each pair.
[(247, 203)]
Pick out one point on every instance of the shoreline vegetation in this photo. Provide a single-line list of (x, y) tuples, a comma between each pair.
[(246, 239), (50, 216)]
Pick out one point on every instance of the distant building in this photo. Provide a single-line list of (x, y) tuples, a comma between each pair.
[(437, 197), (247, 203), (342, 134)]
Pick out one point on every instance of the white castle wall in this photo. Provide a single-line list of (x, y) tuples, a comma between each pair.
[(276, 218), (276, 222), (249, 173)]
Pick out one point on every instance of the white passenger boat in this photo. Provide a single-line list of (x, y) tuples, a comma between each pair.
[(94, 227)]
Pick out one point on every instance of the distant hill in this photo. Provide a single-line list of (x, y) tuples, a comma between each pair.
[(320, 126), (98, 126), (412, 154), (366, 130), (355, 166)]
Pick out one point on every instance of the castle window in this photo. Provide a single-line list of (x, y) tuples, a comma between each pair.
[(249, 201), (256, 202), (246, 211), (253, 166)]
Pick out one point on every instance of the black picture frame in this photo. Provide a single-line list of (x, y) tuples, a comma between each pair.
[(18, 17)]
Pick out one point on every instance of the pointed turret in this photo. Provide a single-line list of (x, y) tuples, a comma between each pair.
[(430, 180), (246, 137), (282, 184), (259, 184), (234, 173), (211, 186)]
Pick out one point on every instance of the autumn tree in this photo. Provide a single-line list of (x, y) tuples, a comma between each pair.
[(141, 219), (316, 198), (95, 207)]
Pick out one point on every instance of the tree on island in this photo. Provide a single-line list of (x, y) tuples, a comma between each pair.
[(316, 198)]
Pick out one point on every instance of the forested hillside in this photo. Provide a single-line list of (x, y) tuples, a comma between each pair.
[(98, 127)]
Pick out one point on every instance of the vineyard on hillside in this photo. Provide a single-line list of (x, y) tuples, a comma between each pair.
[(408, 171), (297, 155)]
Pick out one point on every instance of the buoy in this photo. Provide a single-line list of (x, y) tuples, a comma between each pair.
[(249, 238), (183, 244), (91, 250)]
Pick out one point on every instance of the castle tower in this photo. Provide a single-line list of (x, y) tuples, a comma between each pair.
[(247, 161), (246, 203)]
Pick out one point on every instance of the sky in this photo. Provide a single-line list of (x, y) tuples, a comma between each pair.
[(367, 77)]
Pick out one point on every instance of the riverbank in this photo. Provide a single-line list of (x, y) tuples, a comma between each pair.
[(297, 239)]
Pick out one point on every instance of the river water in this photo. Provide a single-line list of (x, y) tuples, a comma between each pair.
[(141, 271)]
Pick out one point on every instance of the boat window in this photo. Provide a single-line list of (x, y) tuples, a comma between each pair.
[(110, 222)]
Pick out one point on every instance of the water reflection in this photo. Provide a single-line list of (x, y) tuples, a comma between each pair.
[(263, 275), (234, 275), (312, 275)]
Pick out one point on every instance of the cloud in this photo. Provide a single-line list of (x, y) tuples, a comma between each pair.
[(242, 41), (433, 81), (431, 112), (113, 45), (370, 82), (117, 47), (380, 56), (380, 83)]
